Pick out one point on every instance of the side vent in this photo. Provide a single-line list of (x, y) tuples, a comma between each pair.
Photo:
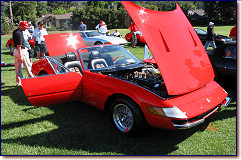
[(195, 43), (165, 43)]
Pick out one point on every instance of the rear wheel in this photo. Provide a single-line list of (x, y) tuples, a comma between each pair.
[(127, 117), (11, 47)]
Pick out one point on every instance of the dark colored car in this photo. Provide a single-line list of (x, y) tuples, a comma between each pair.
[(219, 39), (223, 59)]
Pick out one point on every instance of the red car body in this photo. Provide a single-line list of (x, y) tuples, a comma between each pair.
[(139, 37), (10, 44), (187, 74)]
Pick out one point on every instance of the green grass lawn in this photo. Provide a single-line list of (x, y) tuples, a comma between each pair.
[(79, 129)]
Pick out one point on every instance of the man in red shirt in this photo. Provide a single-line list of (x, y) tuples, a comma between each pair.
[(233, 33), (133, 28)]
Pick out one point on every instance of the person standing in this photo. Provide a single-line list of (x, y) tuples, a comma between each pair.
[(210, 36), (82, 26), (133, 29), (20, 53), (233, 33), (31, 27), (26, 36), (103, 29), (39, 40), (99, 25)]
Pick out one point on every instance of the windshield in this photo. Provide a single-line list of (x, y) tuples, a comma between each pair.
[(200, 31), (106, 57), (92, 34)]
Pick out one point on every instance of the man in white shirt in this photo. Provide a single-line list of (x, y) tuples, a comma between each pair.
[(40, 45), (103, 29)]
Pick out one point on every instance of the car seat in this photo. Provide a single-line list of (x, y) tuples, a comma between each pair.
[(96, 60), (73, 62)]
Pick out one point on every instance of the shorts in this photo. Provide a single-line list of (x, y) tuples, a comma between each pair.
[(40, 48)]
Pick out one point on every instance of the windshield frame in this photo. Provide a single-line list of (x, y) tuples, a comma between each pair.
[(136, 60)]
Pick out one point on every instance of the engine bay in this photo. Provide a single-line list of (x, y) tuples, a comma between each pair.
[(148, 76)]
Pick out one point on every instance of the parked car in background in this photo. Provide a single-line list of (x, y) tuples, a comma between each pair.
[(140, 38), (10, 44), (219, 39), (224, 59), (177, 92), (95, 38)]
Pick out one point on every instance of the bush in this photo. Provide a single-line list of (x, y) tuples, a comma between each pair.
[(52, 28), (6, 28)]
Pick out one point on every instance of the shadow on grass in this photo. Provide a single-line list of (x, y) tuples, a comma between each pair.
[(16, 94), (82, 127), (6, 52)]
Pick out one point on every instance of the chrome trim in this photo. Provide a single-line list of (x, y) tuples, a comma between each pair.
[(228, 100), (193, 124), (189, 125), (50, 58)]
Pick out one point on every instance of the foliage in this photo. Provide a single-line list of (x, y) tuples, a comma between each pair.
[(24, 10), (221, 11), (6, 28), (58, 4), (59, 10), (118, 19), (42, 8), (52, 28)]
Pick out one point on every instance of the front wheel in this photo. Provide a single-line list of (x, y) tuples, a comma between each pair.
[(127, 117)]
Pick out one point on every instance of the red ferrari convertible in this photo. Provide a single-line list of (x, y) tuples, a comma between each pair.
[(175, 92), (10, 44)]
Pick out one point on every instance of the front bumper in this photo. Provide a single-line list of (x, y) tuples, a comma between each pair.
[(185, 124)]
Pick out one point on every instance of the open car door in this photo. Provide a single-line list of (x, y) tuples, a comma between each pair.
[(53, 89)]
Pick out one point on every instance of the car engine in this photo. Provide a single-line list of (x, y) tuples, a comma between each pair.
[(148, 77)]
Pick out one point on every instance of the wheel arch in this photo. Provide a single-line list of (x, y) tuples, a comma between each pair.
[(42, 72), (112, 97), (98, 42)]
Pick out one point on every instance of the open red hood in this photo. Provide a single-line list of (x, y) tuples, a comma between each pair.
[(178, 51), (59, 44)]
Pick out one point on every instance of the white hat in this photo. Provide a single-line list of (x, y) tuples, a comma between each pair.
[(211, 23)]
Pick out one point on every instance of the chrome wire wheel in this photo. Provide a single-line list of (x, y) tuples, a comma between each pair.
[(123, 117)]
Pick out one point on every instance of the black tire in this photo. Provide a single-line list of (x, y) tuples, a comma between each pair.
[(11, 47), (98, 43), (127, 118)]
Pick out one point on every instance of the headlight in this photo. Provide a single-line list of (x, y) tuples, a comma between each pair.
[(172, 112)]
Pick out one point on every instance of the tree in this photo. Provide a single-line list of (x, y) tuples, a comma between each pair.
[(60, 10), (221, 11), (57, 4), (42, 8), (24, 10)]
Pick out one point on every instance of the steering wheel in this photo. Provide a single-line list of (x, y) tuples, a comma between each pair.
[(119, 57)]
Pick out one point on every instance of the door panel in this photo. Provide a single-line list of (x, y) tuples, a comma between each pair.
[(53, 89)]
